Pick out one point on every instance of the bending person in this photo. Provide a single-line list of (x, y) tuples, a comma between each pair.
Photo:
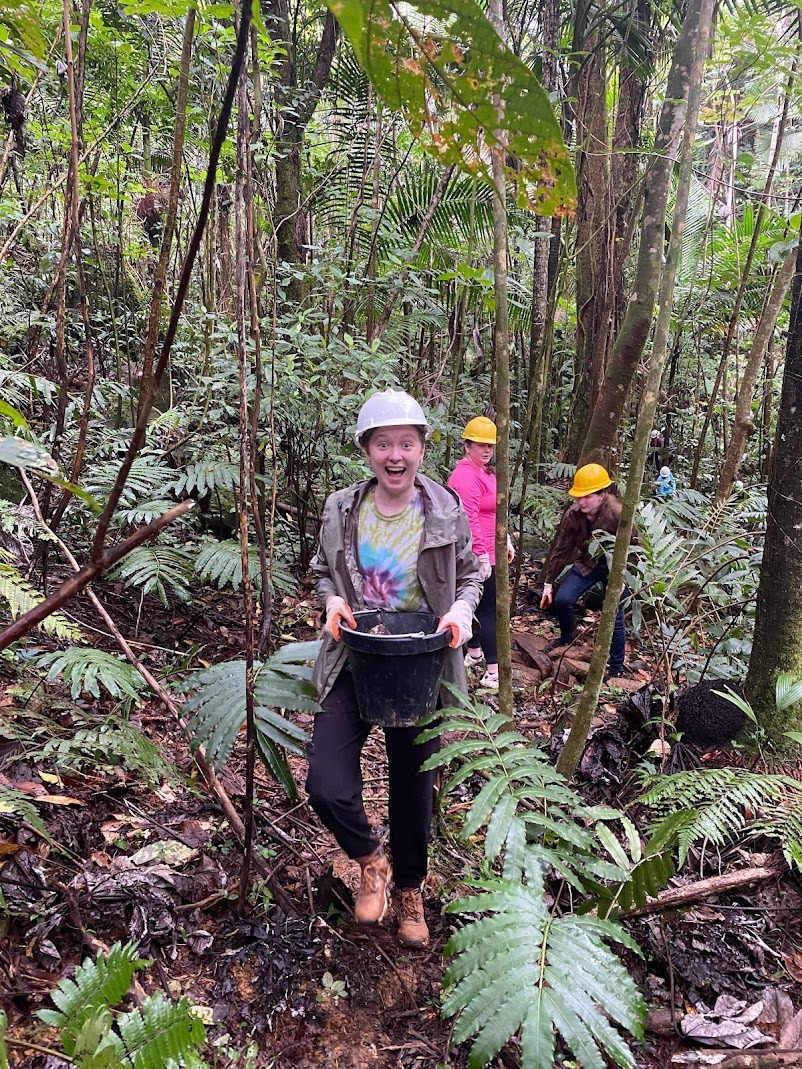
[(596, 508), (398, 541), (476, 485)]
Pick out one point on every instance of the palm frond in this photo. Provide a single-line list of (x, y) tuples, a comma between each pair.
[(87, 670)]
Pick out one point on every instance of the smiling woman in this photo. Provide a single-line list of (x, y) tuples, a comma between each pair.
[(395, 541)]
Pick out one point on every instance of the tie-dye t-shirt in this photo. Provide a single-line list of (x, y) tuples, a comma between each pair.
[(389, 547)]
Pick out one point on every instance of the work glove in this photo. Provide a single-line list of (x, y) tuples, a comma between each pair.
[(510, 550), (485, 567), (458, 618), (337, 609), (546, 599)]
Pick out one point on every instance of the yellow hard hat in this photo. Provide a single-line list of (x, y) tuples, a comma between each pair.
[(480, 429), (589, 479)]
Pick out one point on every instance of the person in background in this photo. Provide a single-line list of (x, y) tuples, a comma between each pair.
[(655, 445), (596, 508), (665, 484), (398, 541), (475, 483)]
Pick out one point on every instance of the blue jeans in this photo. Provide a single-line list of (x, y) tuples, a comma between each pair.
[(572, 587)]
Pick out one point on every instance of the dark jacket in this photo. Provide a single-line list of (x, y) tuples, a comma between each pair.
[(574, 535), (448, 568)]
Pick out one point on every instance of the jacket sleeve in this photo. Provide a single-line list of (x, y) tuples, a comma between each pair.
[(320, 565), (469, 489), (565, 549), (468, 577)]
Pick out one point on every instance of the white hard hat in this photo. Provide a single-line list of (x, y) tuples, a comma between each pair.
[(665, 472), (390, 408), (655, 434)]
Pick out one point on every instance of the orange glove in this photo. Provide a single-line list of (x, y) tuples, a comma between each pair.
[(337, 609), (458, 618), (546, 600)]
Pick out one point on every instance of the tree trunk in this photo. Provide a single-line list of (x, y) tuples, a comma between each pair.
[(593, 237), (601, 435), (690, 51), (777, 644), (744, 425), (501, 353)]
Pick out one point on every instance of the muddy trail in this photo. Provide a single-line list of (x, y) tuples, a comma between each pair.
[(118, 858)]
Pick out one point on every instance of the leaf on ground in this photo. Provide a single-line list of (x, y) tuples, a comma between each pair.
[(791, 1035)]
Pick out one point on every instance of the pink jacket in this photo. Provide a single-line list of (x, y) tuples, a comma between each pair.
[(477, 492)]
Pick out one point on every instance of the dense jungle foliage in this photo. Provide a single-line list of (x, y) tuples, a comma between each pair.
[(222, 228)]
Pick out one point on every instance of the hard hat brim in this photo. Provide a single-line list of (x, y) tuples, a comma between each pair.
[(594, 489)]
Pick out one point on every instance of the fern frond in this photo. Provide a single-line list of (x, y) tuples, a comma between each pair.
[(16, 802), (520, 785), (149, 475), (160, 1034), (115, 742), (217, 703), (87, 669), (21, 596), (206, 476), (521, 969), (96, 984), (158, 569), (220, 563), (720, 804)]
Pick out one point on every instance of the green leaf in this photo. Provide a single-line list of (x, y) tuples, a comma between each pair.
[(788, 691), (444, 77), (27, 455), (23, 454), (13, 414)]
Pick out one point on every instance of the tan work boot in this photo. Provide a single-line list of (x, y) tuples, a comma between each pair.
[(371, 898), (412, 930)]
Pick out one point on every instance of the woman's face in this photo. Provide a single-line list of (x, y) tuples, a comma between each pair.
[(394, 455), (589, 504), (479, 453)]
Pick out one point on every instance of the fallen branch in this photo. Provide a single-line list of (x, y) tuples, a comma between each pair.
[(683, 896), (759, 1059), (76, 583)]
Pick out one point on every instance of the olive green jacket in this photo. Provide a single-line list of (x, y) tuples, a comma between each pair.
[(448, 569)]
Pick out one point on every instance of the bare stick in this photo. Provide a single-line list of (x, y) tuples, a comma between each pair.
[(695, 892), (76, 583)]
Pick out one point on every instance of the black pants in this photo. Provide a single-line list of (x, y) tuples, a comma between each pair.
[(334, 784), (486, 615)]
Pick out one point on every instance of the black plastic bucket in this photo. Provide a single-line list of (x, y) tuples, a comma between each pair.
[(396, 676)]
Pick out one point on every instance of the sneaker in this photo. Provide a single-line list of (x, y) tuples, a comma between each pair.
[(412, 929), (557, 644), (371, 898), (472, 660), (620, 671), (489, 681)]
